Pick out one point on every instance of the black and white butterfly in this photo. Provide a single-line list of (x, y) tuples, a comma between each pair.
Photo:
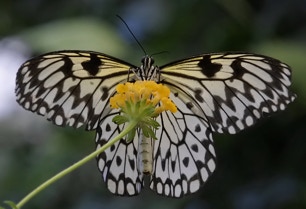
[(222, 92)]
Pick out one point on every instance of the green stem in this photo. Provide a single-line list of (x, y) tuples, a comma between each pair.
[(71, 168)]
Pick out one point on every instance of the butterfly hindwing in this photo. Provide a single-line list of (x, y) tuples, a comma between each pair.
[(118, 163), (184, 155), (231, 90), (69, 87)]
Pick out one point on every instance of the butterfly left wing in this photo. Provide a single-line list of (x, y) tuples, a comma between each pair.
[(230, 90), (70, 88)]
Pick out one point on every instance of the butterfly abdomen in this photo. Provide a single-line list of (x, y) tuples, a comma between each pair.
[(145, 155)]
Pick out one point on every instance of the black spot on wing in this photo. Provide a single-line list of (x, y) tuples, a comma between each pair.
[(104, 93), (186, 161), (197, 128), (112, 148), (197, 95), (92, 65), (173, 163), (209, 69), (66, 68), (132, 164), (118, 160), (195, 148), (108, 127), (189, 105), (237, 68)]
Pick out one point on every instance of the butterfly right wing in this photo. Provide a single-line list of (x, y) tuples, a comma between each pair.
[(231, 91), (70, 87), (184, 155), (118, 163)]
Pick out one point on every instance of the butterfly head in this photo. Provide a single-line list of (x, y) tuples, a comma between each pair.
[(147, 70)]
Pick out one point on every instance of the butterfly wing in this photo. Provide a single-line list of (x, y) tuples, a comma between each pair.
[(184, 155), (230, 91), (70, 88), (222, 93), (118, 164)]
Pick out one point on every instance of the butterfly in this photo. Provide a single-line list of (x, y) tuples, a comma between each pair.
[(214, 93)]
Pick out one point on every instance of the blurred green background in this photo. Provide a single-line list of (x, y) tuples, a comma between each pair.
[(263, 167)]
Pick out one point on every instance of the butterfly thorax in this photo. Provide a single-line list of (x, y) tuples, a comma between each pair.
[(147, 70)]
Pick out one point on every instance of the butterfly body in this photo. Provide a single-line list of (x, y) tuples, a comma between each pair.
[(145, 155), (222, 92), (147, 71)]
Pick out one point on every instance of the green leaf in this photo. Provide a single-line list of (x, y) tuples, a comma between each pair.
[(131, 135), (151, 122), (148, 132), (148, 111), (127, 108), (120, 119), (154, 123)]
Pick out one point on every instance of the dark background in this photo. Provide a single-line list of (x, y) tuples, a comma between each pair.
[(261, 168)]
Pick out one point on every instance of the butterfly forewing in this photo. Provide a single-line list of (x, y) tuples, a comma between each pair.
[(231, 91), (70, 87)]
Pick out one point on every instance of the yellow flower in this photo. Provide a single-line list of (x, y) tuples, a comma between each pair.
[(149, 91), (141, 101)]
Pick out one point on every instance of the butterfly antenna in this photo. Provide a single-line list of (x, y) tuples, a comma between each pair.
[(157, 53), (126, 25)]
